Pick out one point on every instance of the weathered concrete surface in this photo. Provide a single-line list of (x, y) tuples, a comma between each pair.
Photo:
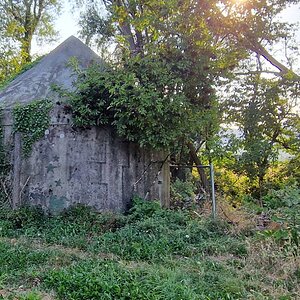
[(52, 69), (92, 167), (69, 166)]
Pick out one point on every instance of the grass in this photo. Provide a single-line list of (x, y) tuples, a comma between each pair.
[(148, 254)]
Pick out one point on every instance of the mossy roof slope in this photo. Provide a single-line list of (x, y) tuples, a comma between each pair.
[(53, 69)]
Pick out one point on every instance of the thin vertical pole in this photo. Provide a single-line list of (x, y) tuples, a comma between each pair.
[(165, 186), (16, 189), (213, 196)]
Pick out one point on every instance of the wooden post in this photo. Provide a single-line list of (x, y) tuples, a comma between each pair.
[(165, 186), (17, 162)]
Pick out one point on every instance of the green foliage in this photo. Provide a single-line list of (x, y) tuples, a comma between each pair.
[(140, 101), (232, 185), (10, 60), (12, 74), (289, 196), (160, 91), (170, 57), (182, 193), (293, 168), (264, 111), (4, 168), (22, 20), (31, 120), (147, 233), (22, 296), (283, 207), (15, 260), (143, 209), (112, 280), (25, 217), (31, 296), (91, 101)]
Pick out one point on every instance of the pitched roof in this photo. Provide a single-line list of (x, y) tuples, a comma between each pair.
[(36, 83)]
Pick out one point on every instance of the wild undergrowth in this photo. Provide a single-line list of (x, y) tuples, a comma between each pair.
[(150, 253)]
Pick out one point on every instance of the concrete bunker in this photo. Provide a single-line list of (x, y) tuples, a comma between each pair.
[(67, 165)]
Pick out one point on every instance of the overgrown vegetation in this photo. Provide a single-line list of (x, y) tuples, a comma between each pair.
[(31, 120), (134, 101), (182, 68), (4, 168), (161, 92), (150, 253)]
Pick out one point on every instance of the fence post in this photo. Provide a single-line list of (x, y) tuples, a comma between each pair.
[(213, 196), (17, 153)]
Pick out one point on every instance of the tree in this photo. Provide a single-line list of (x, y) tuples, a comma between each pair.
[(180, 48), (21, 20), (10, 60), (264, 110)]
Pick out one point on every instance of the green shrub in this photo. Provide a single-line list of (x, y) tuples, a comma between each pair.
[(289, 196), (182, 191), (26, 217), (284, 207), (142, 209)]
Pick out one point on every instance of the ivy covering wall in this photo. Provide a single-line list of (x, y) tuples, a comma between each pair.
[(31, 120), (4, 167)]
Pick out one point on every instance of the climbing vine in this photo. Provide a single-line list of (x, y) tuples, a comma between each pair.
[(31, 120), (2, 154), (4, 165), (4, 168)]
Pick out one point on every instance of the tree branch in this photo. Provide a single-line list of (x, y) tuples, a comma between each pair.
[(260, 50), (258, 72)]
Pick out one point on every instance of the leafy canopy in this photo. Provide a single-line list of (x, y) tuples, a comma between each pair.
[(20, 22), (170, 59)]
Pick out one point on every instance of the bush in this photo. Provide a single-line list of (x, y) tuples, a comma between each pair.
[(289, 196), (182, 194), (284, 207), (143, 209), (25, 217)]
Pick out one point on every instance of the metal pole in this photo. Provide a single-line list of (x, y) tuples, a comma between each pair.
[(213, 197)]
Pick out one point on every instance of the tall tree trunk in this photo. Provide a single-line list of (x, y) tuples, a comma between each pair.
[(261, 187), (197, 161), (25, 51)]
